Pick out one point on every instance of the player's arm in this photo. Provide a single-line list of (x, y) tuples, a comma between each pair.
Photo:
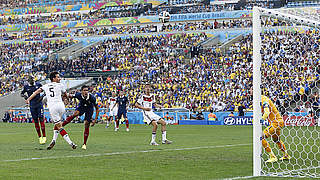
[(266, 113), (34, 94), (23, 93)]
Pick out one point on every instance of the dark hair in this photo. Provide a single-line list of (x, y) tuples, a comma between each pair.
[(84, 86), (211, 110), (53, 75)]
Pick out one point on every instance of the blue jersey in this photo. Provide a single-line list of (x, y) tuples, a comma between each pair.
[(122, 102), (89, 102), (36, 101)]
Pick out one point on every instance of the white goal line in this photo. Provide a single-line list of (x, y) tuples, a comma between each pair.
[(121, 153)]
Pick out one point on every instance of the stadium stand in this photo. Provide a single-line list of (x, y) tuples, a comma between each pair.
[(21, 59)]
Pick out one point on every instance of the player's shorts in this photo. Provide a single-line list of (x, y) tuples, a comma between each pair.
[(150, 116), (87, 111), (122, 112), (56, 111), (114, 112), (37, 113), (274, 130)]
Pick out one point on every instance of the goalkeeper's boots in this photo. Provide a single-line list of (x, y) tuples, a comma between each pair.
[(285, 157), (51, 145), (166, 142), (272, 159)]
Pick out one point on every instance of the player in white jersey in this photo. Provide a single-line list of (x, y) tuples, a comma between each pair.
[(145, 103), (54, 92), (113, 109)]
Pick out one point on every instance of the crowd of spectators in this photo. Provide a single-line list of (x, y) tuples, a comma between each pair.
[(114, 12), (11, 4), (18, 60), (291, 68), (221, 81), (99, 31)]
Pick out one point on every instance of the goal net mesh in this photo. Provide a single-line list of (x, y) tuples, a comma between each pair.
[(290, 56)]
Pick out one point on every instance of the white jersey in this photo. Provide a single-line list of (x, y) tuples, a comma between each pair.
[(146, 101), (53, 92), (112, 102)]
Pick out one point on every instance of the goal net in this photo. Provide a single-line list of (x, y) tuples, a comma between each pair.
[(286, 68)]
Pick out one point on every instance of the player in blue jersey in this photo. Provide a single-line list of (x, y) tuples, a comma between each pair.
[(87, 102), (122, 102), (36, 108)]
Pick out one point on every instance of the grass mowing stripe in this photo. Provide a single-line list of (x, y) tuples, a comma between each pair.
[(129, 152)]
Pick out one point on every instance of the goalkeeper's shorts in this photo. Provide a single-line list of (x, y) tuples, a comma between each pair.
[(274, 129)]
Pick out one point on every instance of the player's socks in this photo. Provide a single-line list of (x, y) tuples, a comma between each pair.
[(36, 125), (68, 120), (85, 135), (117, 122), (55, 135), (164, 136), (153, 137), (65, 136), (43, 128), (127, 123)]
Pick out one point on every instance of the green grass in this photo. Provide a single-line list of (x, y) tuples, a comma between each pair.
[(210, 157)]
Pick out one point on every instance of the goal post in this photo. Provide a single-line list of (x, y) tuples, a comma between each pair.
[(256, 92), (290, 78)]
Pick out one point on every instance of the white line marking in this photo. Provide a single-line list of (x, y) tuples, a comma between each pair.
[(120, 153), (240, 177)]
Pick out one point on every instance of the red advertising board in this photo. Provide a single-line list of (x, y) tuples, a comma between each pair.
[(299, 121)]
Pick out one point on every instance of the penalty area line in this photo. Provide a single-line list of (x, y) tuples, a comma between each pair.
[(121, 153)]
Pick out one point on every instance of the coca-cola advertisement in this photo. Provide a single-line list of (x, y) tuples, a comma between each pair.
[(299, 121)]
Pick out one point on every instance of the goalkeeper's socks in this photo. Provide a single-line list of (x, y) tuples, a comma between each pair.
[(153, 137)]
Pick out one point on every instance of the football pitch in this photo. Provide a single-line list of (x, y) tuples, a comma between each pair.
[(197, 152)]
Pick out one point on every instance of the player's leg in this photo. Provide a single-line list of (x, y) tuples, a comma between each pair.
[(85, 134), (154, 133), (108, 121), (87, 121), (118, 117), (164, 132), (126, 120), (56, 113), (281, 146), (42, 124), (70, 118), (35, 117), (266, 134)]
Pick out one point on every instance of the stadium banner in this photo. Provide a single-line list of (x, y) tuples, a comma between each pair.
[(211, 15), (299, 120), (122, 21), (237, 120), (44, 8)]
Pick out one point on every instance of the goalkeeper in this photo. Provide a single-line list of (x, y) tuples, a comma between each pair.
[(272, 117)]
